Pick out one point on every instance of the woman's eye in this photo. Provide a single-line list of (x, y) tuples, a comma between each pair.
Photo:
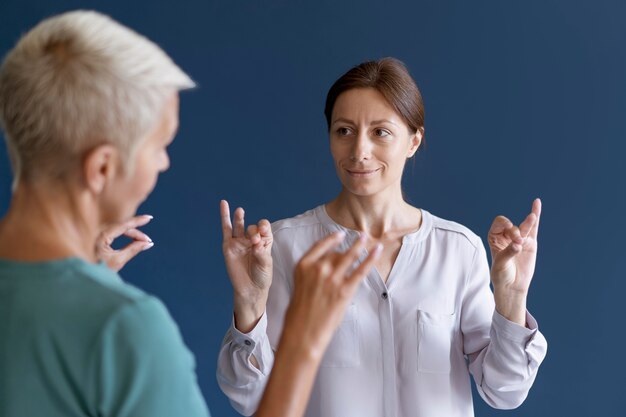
[(344, 131), (381, 133)]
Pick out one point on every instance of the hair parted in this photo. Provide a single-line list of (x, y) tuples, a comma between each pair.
[(78, 80), (390, 77)]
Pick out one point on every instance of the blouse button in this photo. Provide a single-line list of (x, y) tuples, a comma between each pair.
[(247, 342), (384, 295)]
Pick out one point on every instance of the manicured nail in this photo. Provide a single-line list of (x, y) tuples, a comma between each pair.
[(148, 245), (340, 234), (378, 248), (150, 216)]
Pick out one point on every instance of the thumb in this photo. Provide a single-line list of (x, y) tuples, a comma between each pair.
[(124, 255)]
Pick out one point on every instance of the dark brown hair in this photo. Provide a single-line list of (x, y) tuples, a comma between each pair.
[(388, 76)]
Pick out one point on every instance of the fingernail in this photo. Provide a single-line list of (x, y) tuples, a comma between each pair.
[(362, 237), (148, 245), (150, 216), (149, 240), (378, 247), (340, 234)]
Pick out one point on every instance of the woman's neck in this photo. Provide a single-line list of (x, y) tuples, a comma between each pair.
[(46, 222), (377, 215)]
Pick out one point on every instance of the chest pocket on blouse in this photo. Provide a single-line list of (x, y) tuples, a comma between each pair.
[(343, 351), (434, 341)]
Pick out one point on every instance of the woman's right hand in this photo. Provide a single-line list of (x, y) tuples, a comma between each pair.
[(248, 257), (324, 283)]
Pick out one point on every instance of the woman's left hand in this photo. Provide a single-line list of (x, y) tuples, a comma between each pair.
[(116, 259), (513, 255)]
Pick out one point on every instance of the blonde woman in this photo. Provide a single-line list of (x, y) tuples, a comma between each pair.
[(88, 109)]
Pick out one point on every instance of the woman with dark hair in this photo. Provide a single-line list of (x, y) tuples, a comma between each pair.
[(424, 317)]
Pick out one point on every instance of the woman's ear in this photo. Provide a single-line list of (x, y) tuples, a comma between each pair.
[(100, 165), (416, 141)]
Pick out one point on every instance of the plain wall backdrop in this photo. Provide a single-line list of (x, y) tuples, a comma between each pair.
[(523, 99)]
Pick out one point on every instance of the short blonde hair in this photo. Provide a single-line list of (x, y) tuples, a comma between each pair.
[(78, 80)]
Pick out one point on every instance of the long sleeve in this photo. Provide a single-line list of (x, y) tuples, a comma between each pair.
[(504, 356), (238, 378), (241, 381)]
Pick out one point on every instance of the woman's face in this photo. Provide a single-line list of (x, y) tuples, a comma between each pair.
[(132, 187), (370, 142)]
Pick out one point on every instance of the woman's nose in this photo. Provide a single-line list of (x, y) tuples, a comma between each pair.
[(361, 150)]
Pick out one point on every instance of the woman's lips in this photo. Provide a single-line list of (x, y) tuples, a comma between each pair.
[(362, 173)]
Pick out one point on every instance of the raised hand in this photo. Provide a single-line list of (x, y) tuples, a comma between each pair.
[(324, 283), (513, 254), (116, 259), (248, 257)]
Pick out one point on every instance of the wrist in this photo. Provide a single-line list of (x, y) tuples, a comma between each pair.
[(247, 314), (295, 345), (511, 305)]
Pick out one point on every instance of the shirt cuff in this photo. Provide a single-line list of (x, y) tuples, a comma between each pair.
[(514, 331), (248, 341)]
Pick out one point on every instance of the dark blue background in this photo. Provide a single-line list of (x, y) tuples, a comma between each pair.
[(523, 99)]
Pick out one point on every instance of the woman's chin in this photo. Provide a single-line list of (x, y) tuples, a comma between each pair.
[(360, 190)]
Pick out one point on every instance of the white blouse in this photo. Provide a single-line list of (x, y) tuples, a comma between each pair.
[(404, 348)]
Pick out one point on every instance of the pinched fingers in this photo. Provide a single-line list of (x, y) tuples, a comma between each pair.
[(137, 235), (253, 234), (262, 238), (514, 234), (121, 257), (265, 229), (113, 232), (133, 249), (499, 225)]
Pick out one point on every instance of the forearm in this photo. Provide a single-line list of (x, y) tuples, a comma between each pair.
[(288, 389)]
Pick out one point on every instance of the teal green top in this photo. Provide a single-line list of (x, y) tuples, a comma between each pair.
[(77, 341)]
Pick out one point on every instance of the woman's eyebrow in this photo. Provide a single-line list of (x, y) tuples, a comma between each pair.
[(342, 120), (377, 122)]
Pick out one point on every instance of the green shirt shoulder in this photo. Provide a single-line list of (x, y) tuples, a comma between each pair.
[(76, 340)]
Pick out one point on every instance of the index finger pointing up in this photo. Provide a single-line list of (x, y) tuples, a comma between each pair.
[(227, 226), (537, 211)]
